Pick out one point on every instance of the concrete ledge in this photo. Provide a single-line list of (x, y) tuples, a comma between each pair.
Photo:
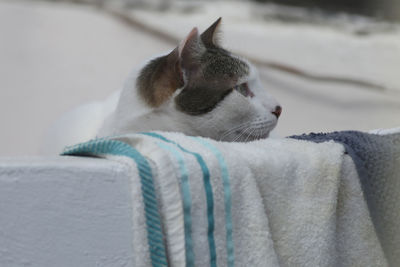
[(65, 211)]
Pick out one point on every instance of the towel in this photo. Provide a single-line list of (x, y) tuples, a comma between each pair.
[(377, 160), (273, 202)]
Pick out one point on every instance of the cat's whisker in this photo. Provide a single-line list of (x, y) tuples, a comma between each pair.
[(240, 126), (236, 128), (254, 130), (241, 134), (233, 132), (259, 136), (235, 138), (238, 136), (250, 134)]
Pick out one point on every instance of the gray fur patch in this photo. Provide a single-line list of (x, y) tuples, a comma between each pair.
[(219, 73), (219, 64)]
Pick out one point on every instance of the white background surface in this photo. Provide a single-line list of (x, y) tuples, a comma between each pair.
[(54, 57)]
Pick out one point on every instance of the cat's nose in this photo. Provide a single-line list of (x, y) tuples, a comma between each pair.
[(277, 112)]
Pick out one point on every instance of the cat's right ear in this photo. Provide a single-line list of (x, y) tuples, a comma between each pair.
[(210, 36), (190, 51)]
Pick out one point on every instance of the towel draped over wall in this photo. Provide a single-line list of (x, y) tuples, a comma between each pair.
[(315, 200)]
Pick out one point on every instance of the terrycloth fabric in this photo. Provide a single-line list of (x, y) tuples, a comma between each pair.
[(377, 159), (275, 202), (146, 221)]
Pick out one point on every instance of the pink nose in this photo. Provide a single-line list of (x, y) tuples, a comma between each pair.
[(277, 112)]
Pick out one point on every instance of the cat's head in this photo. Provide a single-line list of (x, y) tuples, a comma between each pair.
[(210, 91)]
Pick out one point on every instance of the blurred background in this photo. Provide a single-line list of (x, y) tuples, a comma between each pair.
[(333, 65)]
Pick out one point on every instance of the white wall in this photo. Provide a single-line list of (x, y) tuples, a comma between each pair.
[(64, 212)]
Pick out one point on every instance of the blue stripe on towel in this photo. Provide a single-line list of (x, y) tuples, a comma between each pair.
[(187, 201), (227, 197), (153, 222), (209, 196)]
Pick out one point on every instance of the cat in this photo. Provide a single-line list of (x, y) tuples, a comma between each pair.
[(199, 89)]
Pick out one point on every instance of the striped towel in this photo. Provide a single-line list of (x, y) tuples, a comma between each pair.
[(274, 202)]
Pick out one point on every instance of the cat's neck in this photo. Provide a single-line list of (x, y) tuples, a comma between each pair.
[(159, 119)]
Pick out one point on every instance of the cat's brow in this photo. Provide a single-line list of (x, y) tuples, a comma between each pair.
[(219, 63)]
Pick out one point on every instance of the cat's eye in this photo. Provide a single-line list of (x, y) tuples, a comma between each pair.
[(244, 89)]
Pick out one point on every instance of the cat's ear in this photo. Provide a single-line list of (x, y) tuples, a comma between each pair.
[(210, 36), (159, 79), (190, 51)]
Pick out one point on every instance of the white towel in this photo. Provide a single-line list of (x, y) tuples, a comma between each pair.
[(377, 160), (275, 202)]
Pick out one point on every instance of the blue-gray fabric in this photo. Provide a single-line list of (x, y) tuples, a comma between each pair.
[(377, 160)]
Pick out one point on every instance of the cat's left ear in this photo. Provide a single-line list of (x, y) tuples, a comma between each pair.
[(190, 51), (210, 36)]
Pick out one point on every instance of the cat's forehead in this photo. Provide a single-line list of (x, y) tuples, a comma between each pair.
[(220, 72), (218, 63)]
